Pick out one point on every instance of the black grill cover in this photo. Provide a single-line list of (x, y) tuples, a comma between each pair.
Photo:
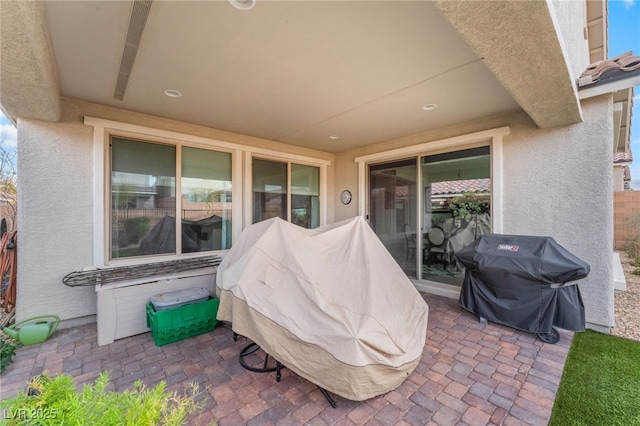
[(523, 282)]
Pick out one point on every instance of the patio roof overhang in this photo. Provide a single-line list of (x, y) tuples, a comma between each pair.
[(346, 77), (28, 80), (520, 44)]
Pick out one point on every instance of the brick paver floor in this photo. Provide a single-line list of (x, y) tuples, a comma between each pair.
[(470, 374)]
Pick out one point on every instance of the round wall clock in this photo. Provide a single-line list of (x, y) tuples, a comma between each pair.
[(345, 197)]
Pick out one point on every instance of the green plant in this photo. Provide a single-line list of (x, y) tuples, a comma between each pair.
[(470, 204), (636, 262), (55, 401), (632, 249), (8, 348)]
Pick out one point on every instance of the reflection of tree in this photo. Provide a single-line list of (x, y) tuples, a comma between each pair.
[(470, 204), (204, 195), (125, 195), (8, 182)]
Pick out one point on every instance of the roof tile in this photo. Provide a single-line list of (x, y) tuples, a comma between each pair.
[(461, 186), (623, 157), (609, 69)]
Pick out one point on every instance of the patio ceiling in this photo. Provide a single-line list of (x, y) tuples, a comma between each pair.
[(297, 72)]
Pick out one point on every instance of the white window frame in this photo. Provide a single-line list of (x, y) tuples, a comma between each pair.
[(240, 177), (103, 130), (492, 138)]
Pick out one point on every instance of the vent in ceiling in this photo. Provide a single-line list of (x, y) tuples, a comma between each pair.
[(137, 21)]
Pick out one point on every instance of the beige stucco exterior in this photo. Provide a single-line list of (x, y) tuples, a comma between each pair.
[(556, 174), (554, 180), (545, 189), (56, 200)]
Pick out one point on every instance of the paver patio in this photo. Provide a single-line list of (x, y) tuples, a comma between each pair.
[(470, 374)]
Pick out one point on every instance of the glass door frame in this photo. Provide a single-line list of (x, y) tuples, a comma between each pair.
[(492, 138)]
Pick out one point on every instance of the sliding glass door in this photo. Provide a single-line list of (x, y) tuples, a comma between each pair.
[(393, 210), (424, 225), (456, 209)]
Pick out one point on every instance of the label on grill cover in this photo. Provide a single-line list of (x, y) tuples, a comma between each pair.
[(507, 247)]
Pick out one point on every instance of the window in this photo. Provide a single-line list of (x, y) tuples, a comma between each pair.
[(305, 195), (144, 206), (206, 200), (269, 190), (277, 185)]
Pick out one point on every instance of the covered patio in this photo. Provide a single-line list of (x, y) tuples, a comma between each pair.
[(470, 373)]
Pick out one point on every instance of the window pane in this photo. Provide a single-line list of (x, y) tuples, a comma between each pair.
[(305, 198), (457, 209), (269, 190), (206, 200), (143, 198)]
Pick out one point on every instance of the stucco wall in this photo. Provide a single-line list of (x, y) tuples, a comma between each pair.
[(571, 17), (618, 178), (55, 215), (56, 203), (557, 182)]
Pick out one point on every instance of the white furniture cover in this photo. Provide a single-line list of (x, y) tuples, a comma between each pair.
[(331, 304)]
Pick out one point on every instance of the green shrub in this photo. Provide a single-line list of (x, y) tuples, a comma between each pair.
[(55, 401), (7, 350), (633, 249), (633, 239)]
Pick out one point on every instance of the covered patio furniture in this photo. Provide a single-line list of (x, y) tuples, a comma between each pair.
[(330, 304)]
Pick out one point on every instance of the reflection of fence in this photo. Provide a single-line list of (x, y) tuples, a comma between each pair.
[(202, 230), (155, 215)]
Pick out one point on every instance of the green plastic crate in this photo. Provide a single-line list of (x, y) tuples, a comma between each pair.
[(185, 321)]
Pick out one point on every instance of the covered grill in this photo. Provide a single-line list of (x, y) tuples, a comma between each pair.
[(525, 282)]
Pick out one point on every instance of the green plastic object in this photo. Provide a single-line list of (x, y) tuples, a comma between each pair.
[(33, 330), (172, 325)]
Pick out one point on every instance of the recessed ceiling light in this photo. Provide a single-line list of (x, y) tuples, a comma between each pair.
[(242, 4), (334, 137), (172, 93), (429, 107)]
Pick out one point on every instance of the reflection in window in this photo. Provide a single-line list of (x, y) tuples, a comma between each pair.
[(271, 194), (206, 200), (269, 190), (305, 195), (393, 210), (143, 199), (457, 194), (143, 195)]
